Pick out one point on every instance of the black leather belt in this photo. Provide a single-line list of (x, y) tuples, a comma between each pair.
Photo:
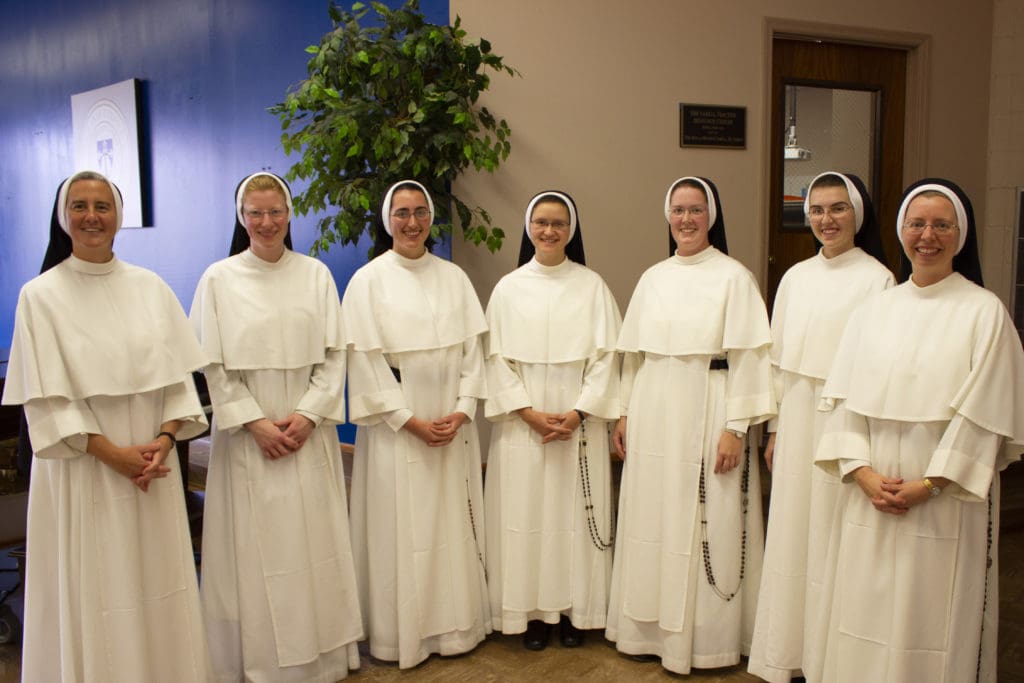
[(719, 364)]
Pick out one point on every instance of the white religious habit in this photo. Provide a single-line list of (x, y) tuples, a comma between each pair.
[(413, 329), (686, 313), (814, 300), (111, 591), (279, 591), (927, 382), (551, 346)]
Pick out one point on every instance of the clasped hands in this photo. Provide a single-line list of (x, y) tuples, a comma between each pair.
[(891, 495), (142, 463), (436, 433), (278, 438), (551, 426)]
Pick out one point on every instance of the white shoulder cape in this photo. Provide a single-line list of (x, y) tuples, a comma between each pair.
[(920, 354), (695, 305), (394, 304), (814, 300), (253, 315), (582, 317), (98, 329)]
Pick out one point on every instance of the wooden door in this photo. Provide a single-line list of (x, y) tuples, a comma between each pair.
[(880, 73)]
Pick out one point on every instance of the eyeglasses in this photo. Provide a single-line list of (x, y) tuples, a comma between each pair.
[(940, 227), (836, 211), (256, 214), (403, 214), (544, 224), (694, 211)]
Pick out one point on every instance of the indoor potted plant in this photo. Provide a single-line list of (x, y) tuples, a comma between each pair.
[(386, 101)]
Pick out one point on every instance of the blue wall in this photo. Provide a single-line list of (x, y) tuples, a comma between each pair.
[(209, 69)]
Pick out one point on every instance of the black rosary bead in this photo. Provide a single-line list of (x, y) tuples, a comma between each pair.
[(584, 467), (706, 544)]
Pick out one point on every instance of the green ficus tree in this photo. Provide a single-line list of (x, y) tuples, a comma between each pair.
[(386, 101)]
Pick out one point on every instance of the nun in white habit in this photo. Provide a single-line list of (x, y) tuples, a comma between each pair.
[(553, 380), (414, 328), (101, 358), (926, 410), (814, 300), (696, 374), (279, 591)]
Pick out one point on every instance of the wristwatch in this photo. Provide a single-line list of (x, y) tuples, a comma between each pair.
[(932, 488)]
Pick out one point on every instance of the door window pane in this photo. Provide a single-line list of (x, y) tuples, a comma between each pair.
[(826, 129)]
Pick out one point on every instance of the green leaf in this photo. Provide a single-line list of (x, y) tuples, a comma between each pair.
[(395, 99), (313, 49)]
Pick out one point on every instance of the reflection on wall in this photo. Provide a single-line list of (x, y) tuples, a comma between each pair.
[(837, 126)]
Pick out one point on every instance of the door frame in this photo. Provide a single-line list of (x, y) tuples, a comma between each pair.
[(915, 146)]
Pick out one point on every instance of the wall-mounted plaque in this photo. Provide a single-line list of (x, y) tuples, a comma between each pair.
[(711, 125)]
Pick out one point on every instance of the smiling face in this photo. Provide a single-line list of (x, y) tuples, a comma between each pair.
[(549, 231), (266, 221), (930, 251), (92, 220), (409, 231), (833, 220), (690, 229)]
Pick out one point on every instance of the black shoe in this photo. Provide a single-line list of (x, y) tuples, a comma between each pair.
[(569, 635), (536, 636), (644, 658)]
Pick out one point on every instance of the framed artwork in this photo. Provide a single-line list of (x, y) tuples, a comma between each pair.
[(105, 132)]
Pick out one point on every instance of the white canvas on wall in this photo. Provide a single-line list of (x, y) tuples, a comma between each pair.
[(105, 132)]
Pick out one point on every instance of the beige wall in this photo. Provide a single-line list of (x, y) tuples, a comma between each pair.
[(596, 110), (1005, 146)]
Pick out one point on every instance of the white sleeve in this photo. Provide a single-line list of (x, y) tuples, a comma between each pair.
[(845, 442), (966, 455), (506, 391), (374, 395), (631, 363), (324, 399), (59, 427), (748, 386), (472, 384), (233, 404), (599, 396)]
